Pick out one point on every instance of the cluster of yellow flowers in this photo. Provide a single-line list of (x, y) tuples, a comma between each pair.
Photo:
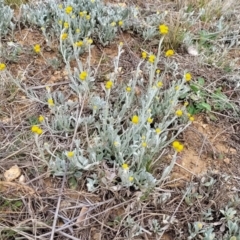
[(36, 129), (178, 147)]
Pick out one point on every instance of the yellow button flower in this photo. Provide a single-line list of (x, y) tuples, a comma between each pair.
[(128, 89), (125, 166), (135, 119), (130, 179), (113, 24), (177, 146), (169, 53), (120, 23), (90, 41), (68, 9), (2, 66), (159, 84), (109, 84), (144, 55), (144, 144), (179, 113), (39, 131), (77, 30), (151, 58), (34, 128), (64, 36), (188, 77), (37, 48), (50, 102), (191, 119), (158, 130), (163, 29), (66, 25), (70, 154), (83, 75), (150, 120), (78, 44), (40, 118), (88, 17)]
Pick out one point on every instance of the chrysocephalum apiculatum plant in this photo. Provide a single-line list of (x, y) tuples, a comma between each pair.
[(130, 124)]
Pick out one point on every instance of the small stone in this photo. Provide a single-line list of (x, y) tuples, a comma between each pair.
[(227, 160), (12, 173)]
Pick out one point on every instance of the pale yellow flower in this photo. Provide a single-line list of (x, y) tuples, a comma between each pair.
[(109, 84), (135, 119)]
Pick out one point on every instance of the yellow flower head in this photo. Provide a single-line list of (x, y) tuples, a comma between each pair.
[(34, 128), (68, 9), (185, 104), (158, 130), (150, 120), (159, 84), (64, 36), (169, 53), (50, 102), (191, 119), (77, 30), (199, 224), (90, 41), (125, 166), (179, 113), (78, 44), (83, 75), (177, 88), (2, 66), (40, 118), (144, 55), (144, 144), (60, 6), (109, 84), (177, 146), (130, 179), (120, 23), (70, 154), (151, 58), (135, 119), (39, 131), (158, 71), (37, 48), (66, 25), (188, 77), (163, 29), (128, 89), (113, 24), (81, 14), (88, 17)]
